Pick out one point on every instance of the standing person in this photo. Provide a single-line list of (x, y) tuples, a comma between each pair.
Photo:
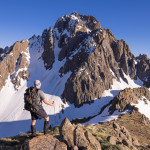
[(41, 112)]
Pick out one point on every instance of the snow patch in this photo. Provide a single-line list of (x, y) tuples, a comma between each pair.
[(11, 54), (73, 17), (88, 30), (144, 108), (12, 113), (113, 73), (107, 96)]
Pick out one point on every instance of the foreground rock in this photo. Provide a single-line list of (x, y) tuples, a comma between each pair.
[(77, 138), (124, 137), (126, 133), (67, 132), (44, 142)]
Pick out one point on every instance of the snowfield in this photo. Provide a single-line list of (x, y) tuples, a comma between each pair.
[(15, 120), (143, 108)]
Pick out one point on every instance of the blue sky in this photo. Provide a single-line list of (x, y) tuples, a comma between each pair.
[(128, 19)]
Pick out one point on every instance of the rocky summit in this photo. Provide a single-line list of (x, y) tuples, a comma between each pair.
[(93, 56)]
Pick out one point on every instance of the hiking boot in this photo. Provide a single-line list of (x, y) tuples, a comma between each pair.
[(46, 127), (33, 131)]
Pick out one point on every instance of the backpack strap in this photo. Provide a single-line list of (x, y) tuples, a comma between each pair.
[(30, 97)]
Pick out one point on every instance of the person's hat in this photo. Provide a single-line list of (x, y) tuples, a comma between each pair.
[(37, 83)]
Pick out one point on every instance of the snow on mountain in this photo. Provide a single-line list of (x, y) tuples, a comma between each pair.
[(15, 120), (109, 95), (87, 66), (143, 106)]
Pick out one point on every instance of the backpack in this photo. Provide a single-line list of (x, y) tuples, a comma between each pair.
[(30, 100)]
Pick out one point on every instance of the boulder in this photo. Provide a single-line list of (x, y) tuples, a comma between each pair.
[(67, 132), (123, 147), (74, 148), (80, 139), (112, 140), (135, 142), (45, 142), (125, 137), (95, 145), (60, 146), (76, 138), (129, 144), (126, 142)]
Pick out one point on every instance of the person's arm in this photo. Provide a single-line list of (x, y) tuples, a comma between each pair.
[(42, 96), (48, 103)]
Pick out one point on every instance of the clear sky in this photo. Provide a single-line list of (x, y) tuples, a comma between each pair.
[(128, 19)]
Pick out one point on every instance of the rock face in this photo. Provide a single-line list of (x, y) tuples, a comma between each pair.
[(76, 138), (1, 54), (128, 96), (92, 54), (48, 44), (15, 63), (96, 71), (112, 140), (45, 142), (95, 57), (94, 144), (80, 139), (124, 137), (66, 132), (143, 69)]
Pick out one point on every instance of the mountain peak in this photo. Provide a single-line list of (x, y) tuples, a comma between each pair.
[(77, 61), (71, 24)]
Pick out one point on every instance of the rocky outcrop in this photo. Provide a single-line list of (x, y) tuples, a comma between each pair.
[(1, 54), (79, 139), (92, 54), (94, 67), (127, 97), (143, 69), (124, 57), (48, 44), (112, 140), (1, 50), (95, 57), (124, 137), (94, 144), (15, 63), (126, 133), (45, 142), (66, 132)]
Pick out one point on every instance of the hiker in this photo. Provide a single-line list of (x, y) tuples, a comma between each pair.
[(40, 113)]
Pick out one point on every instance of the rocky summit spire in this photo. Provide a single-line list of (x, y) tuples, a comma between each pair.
[(77, 45)]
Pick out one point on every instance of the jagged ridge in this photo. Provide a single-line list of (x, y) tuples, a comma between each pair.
[(92, 54)]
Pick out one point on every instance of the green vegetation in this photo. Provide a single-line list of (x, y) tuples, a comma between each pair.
[(108, 146)]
